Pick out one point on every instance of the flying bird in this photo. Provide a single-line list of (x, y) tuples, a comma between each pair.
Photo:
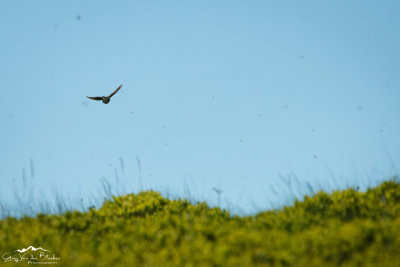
[(105, 99)]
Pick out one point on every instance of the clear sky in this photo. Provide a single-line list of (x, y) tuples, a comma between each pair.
[(236, 95)]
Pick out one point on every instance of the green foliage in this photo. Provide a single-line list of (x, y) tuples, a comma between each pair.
[(347, 228)]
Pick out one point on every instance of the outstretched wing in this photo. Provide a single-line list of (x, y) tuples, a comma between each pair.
[(94, 97), (116, 90)]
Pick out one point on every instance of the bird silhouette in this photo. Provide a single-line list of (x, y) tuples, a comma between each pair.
[(105, 99)]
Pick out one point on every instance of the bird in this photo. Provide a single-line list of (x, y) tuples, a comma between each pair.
[(105, 99)]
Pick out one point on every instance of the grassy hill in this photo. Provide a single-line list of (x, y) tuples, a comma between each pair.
[(345, 228)]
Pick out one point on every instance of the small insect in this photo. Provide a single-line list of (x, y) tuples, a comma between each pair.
[(105, 99)]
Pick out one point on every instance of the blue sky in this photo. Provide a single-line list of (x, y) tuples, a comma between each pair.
[(222, 94)]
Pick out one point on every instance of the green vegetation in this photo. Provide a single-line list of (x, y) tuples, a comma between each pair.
[(345, 228)]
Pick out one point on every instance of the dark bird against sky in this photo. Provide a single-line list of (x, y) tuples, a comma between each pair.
[(105, 99)]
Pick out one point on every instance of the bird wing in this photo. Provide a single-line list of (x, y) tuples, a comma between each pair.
[(116, 90), (95, 97)]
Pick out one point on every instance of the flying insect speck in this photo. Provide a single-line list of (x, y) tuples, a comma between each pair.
[(105, 99)]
